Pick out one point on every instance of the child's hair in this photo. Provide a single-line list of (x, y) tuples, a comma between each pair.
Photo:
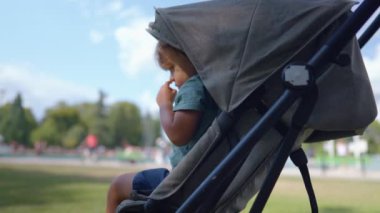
[(164, 49)]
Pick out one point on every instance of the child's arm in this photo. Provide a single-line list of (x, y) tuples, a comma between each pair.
[(179, 126)]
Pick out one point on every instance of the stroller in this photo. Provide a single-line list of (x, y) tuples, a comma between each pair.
[(283, 72)]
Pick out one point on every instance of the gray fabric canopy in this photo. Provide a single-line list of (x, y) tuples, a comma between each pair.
[(235, 45)]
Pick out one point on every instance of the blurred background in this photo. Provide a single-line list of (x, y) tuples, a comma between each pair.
[(78, 82)]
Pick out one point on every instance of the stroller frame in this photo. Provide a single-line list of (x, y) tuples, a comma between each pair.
[(300, 88), (314, 68)]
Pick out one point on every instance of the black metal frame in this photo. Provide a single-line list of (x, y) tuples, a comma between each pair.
[(197, 201), (370, 31)]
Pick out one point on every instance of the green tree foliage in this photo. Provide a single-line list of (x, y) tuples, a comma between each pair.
[(4, 111), (48, 132), (102, 131), (67, 126), (58, 121), (31, 120), (87, 113), (372, 134), (16, 122), (98, 125), (94, 117), (74, 136), (125, 124), (64, 116)]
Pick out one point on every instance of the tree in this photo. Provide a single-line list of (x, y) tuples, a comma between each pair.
[(16, 122), (74, 136), (64, 116), (94, 117), (125, 124), (57, 122), (4, 112), (87, 113), (47, 132), (31, 121), (99, 127), (372, 134)]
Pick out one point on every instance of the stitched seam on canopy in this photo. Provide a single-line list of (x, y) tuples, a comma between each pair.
[(243, 53)]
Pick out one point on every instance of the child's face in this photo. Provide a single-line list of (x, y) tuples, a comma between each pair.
[(179, 66)]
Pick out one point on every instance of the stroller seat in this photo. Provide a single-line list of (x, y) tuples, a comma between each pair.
[(252, 56)]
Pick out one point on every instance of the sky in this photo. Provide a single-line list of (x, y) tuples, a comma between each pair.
[(68, 50)]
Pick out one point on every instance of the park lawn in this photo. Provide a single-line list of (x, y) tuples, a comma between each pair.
[(43, 188), (334, 195)]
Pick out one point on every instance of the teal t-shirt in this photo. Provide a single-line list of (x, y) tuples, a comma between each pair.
[(193, 96)]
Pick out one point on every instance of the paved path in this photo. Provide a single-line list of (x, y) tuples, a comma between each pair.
[(343, 173), (346, 173), (74, 162)]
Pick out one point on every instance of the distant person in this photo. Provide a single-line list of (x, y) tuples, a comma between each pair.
[(91, 142), (39, 147), (184, 123)]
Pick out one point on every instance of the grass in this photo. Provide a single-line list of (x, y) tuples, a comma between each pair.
[(333, 196), (37, 188), (43, 188)]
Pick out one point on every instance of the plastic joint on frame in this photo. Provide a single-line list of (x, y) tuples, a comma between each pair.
[(298, 76)]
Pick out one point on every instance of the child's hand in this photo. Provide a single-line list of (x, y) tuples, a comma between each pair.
[(166, 94)]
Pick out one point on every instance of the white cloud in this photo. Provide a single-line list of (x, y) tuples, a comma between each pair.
[(373, 68), (136, 46), (40, 91), (373, 64)]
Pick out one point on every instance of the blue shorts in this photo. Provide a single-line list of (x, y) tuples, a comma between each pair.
[(147, 180)]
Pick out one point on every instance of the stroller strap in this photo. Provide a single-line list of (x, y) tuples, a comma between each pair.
[(300, 117), (299, 159)]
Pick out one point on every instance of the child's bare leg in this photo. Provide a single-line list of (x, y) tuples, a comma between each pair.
[(119, 190)]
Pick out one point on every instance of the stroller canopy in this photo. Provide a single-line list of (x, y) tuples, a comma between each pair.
[(238, 44)]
